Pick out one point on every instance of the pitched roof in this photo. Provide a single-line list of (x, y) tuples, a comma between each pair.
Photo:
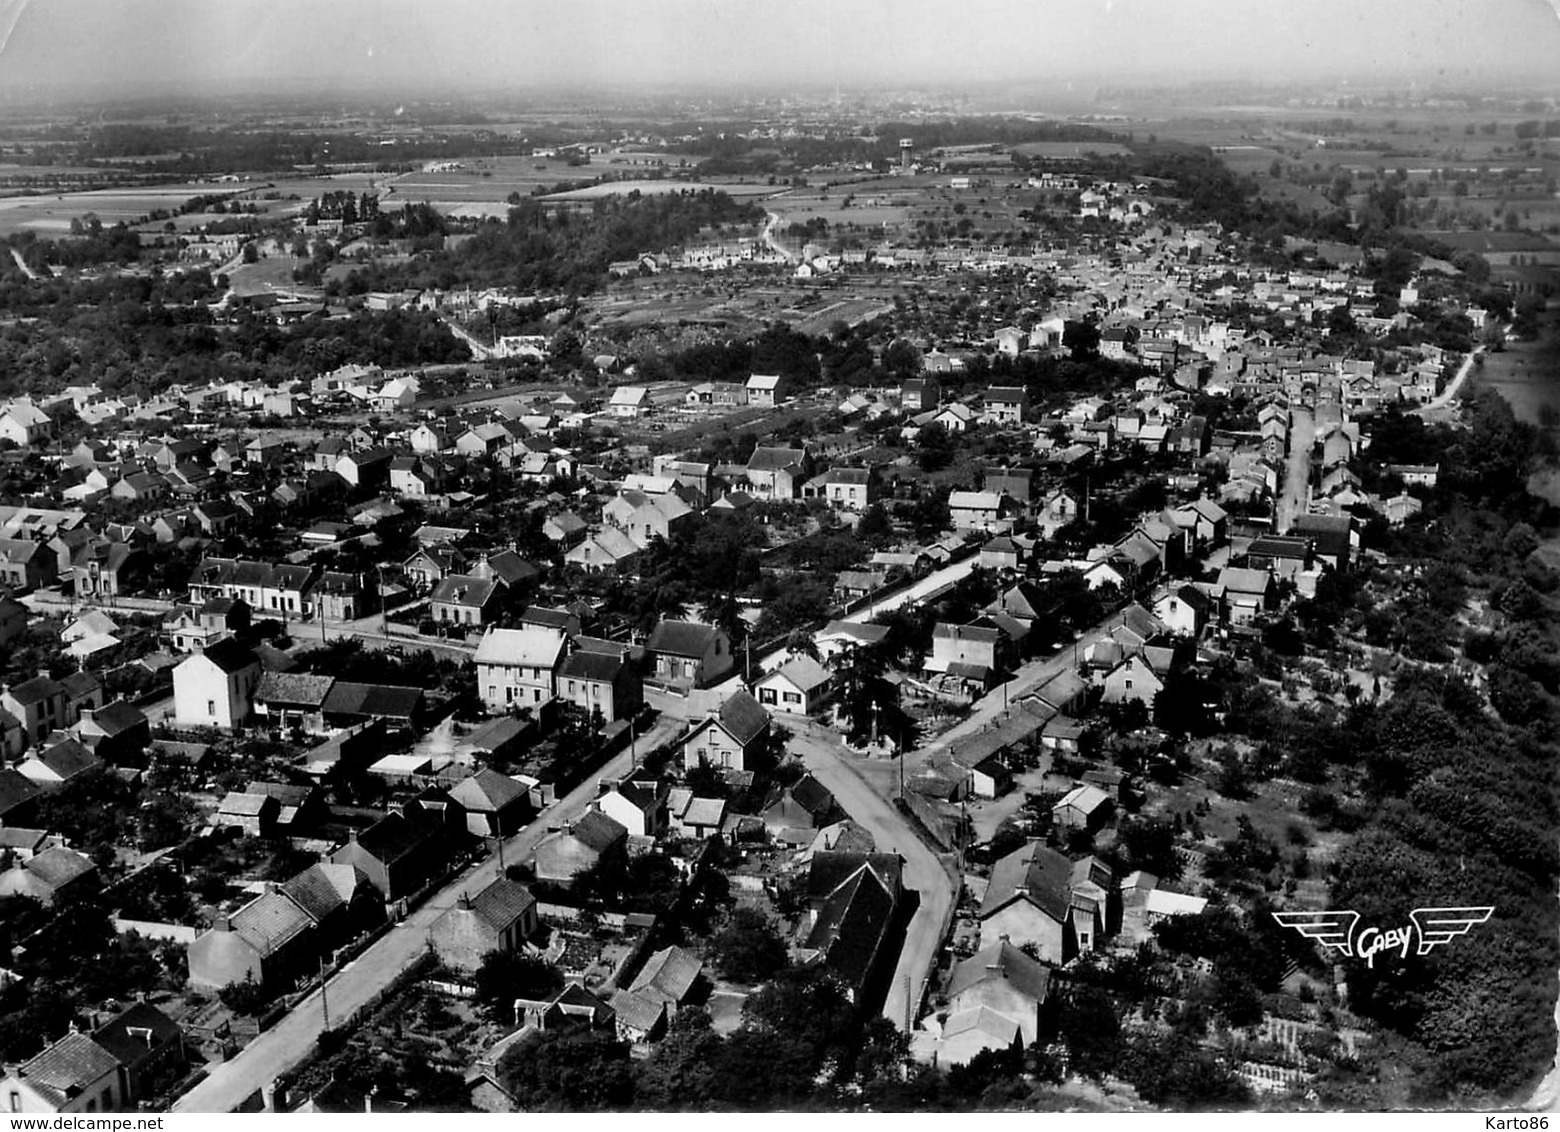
[(530, 647), (598, 831), (295, 689), (772, 459), (323, 888), (387, 701), (1036, 871), (682, 638), (58, 866), (139, 1031), (228, 655), (586, 665), (487, 791), (852, 923), (743, 717), (669, 974), (69, 1066), (638, 1011), (502, 903), (269, 921)]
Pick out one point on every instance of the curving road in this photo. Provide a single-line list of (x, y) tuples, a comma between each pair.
[(259, 1063)]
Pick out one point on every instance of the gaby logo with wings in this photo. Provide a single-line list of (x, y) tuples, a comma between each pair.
[(1429, 928)]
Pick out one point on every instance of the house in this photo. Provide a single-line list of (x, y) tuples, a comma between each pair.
[(954, 418), (801, 686), (689, 815), (777, 473), (639, 807), (501, 917), (1184, 610), (518, 667), (601, 681), (269, 942), (215, 688), (399, 854), (25, 564), (1007, 405), (464, 600), (608, 550), (968, 652), (846, 489), (978, 511), (852, 899), (349, 704), (920, 394), (24, 424), (805, 804), (495, 804), (38, 704), (730, 737), (562, 856), (768, 390), (839, 637), (104, 569), (1002, 979), (1084, 807), (252, 814), (293, 701), (1132, 678), (645, 517), (1331, 536), (1036, 895), (630, 402), (18, 797), (75, 1074), (59, 764), (149, 1047), (1244, 593), (689, 654), (671, 976), (49, 875)]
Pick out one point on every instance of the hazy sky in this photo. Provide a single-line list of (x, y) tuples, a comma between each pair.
[(58, 46)]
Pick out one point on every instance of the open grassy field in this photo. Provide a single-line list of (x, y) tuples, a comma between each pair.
[(652, 188)]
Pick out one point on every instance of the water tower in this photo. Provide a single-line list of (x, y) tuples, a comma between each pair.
[(906, 147)]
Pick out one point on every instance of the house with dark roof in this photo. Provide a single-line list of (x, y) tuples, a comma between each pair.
[(269, 941), (215, 688), (601, 681), (1036, 895), (60, 763), (18, 795), (563, 855), (397, 854), (117, 733), (777, 472), (852, 899), (253, 814), (149, 1047), (464, 600), (349, 704), (639, 807), (48, 875), (75, 1074), (689, 654), (499, 918), (38, 704), (496, 805), (292, 701), (730, 737), (338, 898), (805, 804)]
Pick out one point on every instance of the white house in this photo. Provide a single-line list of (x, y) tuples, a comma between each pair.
[(800, 686), (518, 667), (215, 688)]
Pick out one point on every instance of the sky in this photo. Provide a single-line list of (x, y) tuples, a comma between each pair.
[(56, 47)]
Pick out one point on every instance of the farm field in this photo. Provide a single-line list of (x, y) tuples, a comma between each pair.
[(651, 188)]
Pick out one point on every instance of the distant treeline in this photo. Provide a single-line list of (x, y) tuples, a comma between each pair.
[(548, 248)]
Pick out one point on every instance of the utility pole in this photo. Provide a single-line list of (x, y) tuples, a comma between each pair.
[(324, 1000)]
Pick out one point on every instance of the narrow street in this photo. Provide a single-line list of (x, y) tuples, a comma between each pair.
[(829, 761), (1295, 495), (290, 1041)]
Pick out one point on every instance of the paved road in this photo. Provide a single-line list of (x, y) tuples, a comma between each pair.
[(769, 238), (1295, 495), (289, 1042), (829, 761), (1454, 387)]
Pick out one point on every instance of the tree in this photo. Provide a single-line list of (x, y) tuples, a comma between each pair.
[(571, 1071), (748, 949), (505, 976)]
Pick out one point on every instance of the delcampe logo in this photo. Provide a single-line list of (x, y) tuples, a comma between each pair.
[(1429, 928)]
